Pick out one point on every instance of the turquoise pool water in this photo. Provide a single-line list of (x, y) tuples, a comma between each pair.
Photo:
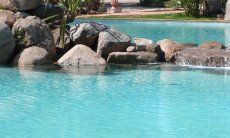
[(194, 32), (115, 102)]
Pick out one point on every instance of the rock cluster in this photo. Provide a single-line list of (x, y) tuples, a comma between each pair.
[(26, 40)]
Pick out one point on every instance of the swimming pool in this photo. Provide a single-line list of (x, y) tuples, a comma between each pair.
[(186, 32), (164, 101), (147, 101)]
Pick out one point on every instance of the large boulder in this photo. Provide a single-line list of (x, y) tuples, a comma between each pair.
[(7, 17), (166, 49), (132, 58), (112, 41), (212, 45), (7, 43), (86, 33), (32, 56), (203, 57), (81, 55), (143, 44), (20, 5), (32, 31)]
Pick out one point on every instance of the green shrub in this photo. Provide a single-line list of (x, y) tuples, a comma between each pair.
[(152, 3), (191, 7), (91, 6), (195, 7)]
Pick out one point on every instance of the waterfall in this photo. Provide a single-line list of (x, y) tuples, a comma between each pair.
[(203, 57)]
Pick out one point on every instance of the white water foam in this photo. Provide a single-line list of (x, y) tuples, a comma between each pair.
[(204, 67)]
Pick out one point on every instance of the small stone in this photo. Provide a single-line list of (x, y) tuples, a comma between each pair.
[(143, 44), (131, 49)]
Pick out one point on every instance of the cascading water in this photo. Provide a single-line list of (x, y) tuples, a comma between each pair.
[(203, 57)]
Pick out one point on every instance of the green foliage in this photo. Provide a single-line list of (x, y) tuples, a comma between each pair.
[(20, 40), (71, 9), (191, 7), (91, 6), (71, 6)]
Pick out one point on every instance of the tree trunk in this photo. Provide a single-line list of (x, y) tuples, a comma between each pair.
[(227, 14)]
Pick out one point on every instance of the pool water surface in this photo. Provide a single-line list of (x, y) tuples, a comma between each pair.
[(151, 101), (116, 102), (184, 32)]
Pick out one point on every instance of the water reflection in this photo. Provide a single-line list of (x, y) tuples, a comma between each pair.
[(84, 70), (117, 69), (87, 70)]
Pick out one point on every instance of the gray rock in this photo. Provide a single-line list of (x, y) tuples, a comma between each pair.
[(7, 17), (19, 15), (212, 45), (20, 5), (166, 49), (86, 33), (32, 56), (143, 44), (132, 58), (203, 57), (32, 31), (81, 55), (131, 49), (112, 41), (7, 43)]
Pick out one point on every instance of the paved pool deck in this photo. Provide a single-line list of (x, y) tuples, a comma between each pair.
[(132, 8)]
